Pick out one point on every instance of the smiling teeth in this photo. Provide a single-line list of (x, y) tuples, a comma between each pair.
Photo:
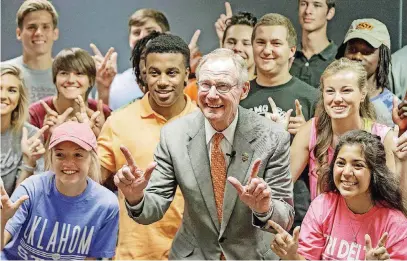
[(69, 172), (347, 183), (215, 106), (39, 42)]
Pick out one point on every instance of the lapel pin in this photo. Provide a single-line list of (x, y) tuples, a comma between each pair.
[(245, 156)]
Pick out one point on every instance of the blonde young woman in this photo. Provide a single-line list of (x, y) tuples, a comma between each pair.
[(21, 146), (64, 213), (343, 106)]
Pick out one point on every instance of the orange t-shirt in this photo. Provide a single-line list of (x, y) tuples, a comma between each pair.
[(192, 90), (138, 127)]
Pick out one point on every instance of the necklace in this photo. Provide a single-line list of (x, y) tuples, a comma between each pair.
[(353, 231)]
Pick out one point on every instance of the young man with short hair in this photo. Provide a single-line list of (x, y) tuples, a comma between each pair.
[(316, 51), (137, 126), (37, 22), (274, 43), (124, 87)]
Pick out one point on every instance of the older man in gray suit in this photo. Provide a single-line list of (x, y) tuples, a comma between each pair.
[(202, 150)]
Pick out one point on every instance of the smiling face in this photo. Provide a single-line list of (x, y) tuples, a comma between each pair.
[(238, 39), (220, 109), (70, 162), (352, 175), (10, 94), (72, 84), (314, 15), (271, 49), (361, 51), (165, 78), (37, 33), (342, 95)]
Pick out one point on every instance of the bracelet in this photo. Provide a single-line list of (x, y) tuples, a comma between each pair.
[(27, 168)]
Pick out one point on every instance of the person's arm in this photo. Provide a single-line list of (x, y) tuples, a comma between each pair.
[(388, 148), (8, 210), (161, 188), (32, 149), (299, 150)]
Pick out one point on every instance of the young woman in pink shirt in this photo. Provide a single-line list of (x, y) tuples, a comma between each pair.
[(343, 106), (360, 216)]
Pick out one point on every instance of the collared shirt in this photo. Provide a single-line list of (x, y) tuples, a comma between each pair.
[(310, 71), (226, 143), (138, 126)]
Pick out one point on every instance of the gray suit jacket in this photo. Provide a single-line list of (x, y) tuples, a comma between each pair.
[(183, 160)]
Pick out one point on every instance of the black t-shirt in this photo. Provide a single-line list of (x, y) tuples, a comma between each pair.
[(284, 97)]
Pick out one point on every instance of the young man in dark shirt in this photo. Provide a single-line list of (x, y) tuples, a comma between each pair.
[(274, 43), (316, 51)]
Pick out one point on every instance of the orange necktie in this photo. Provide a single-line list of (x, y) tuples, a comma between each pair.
[(218, 172)]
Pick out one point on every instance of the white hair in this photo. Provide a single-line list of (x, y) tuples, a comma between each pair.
[(223, 53)]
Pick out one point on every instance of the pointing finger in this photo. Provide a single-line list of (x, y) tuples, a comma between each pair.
[(298, 108), (255, 170), (129, 158), (383, 239), (81, 104), (236, 184), (25, 134), (228, 9), (66, 113), (40, 132), (48, 109), (296, 234), (95, 50), (194, 39), (149, 170), (273, 105), (276, 226), (368, 243)]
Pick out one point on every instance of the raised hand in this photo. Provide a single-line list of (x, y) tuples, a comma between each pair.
[(276, 117), (106, 70), (220, 24), (399, 115), (95, 119), (9, 208), (296, 122), (131, 180), (257, 193), (285, 245), (52, 118), (32, 148), (379, 252), (195, 54), (400, 144)]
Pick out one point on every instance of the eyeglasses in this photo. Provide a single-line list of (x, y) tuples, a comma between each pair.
[(221, 87)]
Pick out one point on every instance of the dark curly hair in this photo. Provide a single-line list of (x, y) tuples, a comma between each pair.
[(384, 187), (241, 18), (137, 55)]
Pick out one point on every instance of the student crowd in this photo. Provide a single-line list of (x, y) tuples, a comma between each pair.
[(265, 148)]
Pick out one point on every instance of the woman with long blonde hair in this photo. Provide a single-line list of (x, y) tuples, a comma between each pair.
[(343, 106), (21, 146)]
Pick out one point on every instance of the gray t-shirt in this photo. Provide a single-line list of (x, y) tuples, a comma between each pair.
[(11, 157), (38, 82)]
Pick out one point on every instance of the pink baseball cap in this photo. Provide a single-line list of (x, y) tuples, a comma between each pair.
[(79, 133)]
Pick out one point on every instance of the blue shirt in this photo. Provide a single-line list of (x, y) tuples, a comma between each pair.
[(50, 225), (383, 104), (124, 89)]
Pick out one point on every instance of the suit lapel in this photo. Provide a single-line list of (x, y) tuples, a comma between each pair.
[(198, 155), (239, 165)]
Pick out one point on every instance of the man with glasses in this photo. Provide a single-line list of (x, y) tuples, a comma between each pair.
[(199, 152)]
